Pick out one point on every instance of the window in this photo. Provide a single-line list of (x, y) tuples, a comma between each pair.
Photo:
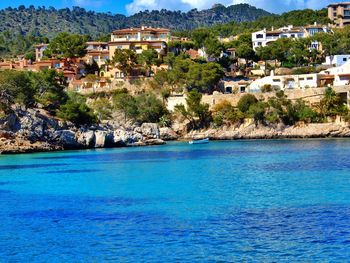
[(309, 78), (259, 36), (259, 44), (276, 80), (345, 59)]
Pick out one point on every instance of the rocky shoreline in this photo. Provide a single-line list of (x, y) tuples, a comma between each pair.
[(33, 130), (249, 130)]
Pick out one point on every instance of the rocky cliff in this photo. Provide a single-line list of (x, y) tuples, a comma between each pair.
[(249, 130), (33, 130)]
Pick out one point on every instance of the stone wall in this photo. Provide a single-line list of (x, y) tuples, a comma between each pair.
[(311, 95)]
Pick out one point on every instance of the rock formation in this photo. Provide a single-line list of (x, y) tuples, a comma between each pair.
[(33, 130)]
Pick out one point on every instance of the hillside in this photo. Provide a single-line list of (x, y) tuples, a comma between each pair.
[(48, 21)]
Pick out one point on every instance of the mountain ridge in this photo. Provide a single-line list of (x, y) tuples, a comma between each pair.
[(49, 21)]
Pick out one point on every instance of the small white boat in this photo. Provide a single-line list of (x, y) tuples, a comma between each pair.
[(201, 141)]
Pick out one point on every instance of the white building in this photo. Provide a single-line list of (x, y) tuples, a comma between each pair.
[(264, 37), (286, 82), (337, 60), (340, 75)]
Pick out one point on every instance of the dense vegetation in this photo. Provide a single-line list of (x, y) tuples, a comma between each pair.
[(280, 109), (22, 27), (295, 18), (48, 21), (44, 89)]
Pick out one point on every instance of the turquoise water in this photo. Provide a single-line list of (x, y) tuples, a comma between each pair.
[(252, 201)]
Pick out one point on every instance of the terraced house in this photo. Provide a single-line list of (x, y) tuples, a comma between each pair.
[(264, 37), (339, 13), (139, 39)]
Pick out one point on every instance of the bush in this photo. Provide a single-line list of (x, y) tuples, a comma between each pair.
[(76, 111), (145, 107), (150, 108), (257, 111), (266, 88), (196, 112), (224, 112), (305, 113), (272, 117), (246, 101), (16, 87), (103, 108)]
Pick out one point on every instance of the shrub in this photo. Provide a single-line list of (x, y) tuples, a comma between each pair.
[(272, 117), (103, 108), (257, 111), (16, 87), (266, 88), (150, 108), (76, 111), (196, 112), (246, 101), (224, 112)]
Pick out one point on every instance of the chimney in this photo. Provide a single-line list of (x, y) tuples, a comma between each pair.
[(272, 28), (315, 24)]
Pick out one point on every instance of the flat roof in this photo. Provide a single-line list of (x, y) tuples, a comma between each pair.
[(141, 29), (96, 43), (337, 4)]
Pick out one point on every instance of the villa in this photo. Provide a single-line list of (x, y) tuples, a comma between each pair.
[(264, 37), (336, 77), (97, 52), (139, 39)]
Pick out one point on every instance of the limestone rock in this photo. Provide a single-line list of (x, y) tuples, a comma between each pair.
[(167, 134), (67, 139), (150, 130), (87, 139)]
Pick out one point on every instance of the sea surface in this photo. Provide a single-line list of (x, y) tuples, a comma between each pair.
[(233, 201)]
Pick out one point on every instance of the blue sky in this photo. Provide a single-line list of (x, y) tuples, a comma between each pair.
[(132, 6)]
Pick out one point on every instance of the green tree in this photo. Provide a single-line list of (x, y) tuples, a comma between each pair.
[(76, 110), (49, 89), (246, 101), (66, 45), (125, 60), (204, 77), (103, 108), (15, 87), (332, 105), (150, 108), (126, 104), (147, 59), (196, 113), (246, 51)]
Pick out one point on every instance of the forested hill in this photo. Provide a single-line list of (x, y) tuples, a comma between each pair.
[(49, 21)]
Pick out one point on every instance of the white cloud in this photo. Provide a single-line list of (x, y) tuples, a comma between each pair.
[(88, 3), (275, 6)]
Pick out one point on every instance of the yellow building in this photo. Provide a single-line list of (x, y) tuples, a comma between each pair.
[(139, 39), (339, 13), (98, 52)]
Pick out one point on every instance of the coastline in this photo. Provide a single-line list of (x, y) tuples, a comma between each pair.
[(32, 130), (249, 132)]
